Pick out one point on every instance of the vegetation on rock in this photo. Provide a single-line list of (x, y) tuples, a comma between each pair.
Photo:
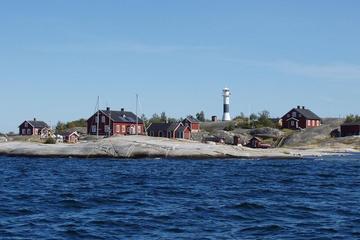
[(61, 126), (352, 118)]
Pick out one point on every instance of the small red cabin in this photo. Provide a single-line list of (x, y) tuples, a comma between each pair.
[(256, 142), (71, 137), (169, 130), (115, 123), (192, 123), (350, 129), (300, 118)]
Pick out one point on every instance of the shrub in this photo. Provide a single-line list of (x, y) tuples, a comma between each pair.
[(50, 140), (229, 127)]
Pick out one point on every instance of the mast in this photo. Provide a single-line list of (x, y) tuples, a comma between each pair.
[(137, 118), (97, 118)]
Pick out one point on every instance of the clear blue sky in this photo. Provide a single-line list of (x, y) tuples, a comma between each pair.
[(56, 57)]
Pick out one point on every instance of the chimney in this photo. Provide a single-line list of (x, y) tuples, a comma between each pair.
[(107, 109), (303, 107), (298, 107), (34, 119), (122, 109)]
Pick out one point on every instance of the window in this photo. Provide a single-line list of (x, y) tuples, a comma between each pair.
[(123, 128), (317, 123), (29, 132), (93, 128), (26, 124), (294, 114), (308, 123), (139, 129), (288, 115), (103, 119), (117, 128), (292, 123), (23, 131), (97, 119)]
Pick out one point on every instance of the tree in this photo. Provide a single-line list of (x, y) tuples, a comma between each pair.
[(163, 117), (352, 118), (200, 116), (253, 117), (264, 119)]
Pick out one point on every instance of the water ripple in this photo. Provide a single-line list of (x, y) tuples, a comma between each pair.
[(179, 199)]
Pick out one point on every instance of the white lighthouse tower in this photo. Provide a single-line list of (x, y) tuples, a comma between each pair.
[(226, 95)]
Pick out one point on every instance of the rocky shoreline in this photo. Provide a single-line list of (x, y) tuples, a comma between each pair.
[(148, 147)]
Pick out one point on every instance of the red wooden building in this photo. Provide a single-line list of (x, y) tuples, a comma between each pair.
[(34, 127), (300, 118), (71, 137), (115, 123), (169, 130), (192, 123), (350, 129)]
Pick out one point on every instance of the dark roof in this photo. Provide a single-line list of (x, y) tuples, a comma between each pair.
[(156, 127), (38, 124), (122, 116), (182, 128), (70, 132), (307, 113), (256, 138), (351, 124), (192, 119)]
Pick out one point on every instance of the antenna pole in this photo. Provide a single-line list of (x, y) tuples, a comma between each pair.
[(137, 118), (97, 118)]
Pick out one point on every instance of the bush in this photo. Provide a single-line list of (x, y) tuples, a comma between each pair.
[(50, 140), (229, 127)]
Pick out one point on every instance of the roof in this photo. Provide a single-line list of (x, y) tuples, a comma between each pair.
[(192, 119), (156, 127), (256, 138), (307, 113), (122, 116), (38, 124), (351, 124), (70, 132), (182, 128)]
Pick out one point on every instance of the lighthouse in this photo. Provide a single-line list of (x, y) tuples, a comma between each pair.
[(226, 95)]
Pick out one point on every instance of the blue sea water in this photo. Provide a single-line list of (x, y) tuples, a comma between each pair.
[(179, 199)]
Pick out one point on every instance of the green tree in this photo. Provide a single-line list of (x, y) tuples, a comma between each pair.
[(352, 118), (163, 117), (200, 116)]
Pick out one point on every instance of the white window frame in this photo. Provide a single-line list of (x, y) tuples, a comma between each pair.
[(28, 131), (293, 114), (93, 128), (103, 119)]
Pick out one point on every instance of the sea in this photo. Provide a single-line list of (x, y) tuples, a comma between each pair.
[(63, 198)]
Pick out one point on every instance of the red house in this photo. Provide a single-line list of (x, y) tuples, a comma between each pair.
[(114, 123), (71, 137), (192, 123), (300, 118), (32, 127), (350, 129), (169, 130)]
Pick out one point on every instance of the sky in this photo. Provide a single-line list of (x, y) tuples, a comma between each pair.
[(57, 56)]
